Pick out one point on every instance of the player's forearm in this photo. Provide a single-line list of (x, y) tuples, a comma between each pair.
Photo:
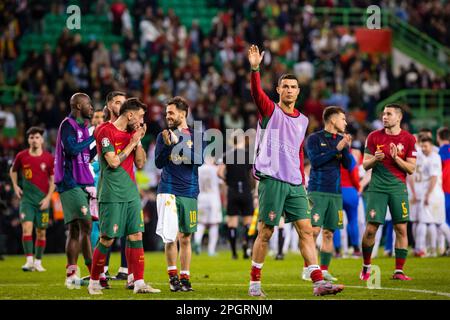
[(405, 165), (347, 158), (116, 160), (73, 148), (369, 163), (318, 159), (433, 182), (263, 103), (51, 188), (14, 177), (140, 157), (162, 153)]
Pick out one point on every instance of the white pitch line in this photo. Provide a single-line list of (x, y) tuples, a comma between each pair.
[(445, 294)]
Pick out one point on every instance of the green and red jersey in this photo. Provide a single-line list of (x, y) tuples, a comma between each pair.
[(115, 185), (36, 171), (387, 176)]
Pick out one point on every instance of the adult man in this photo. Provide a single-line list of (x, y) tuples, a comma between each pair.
[(431, 198), (443, 139), (114, 101), (36, 166), (72, 176), (119, 199), (209, 206), (390, 153), (178, 190), (236, 171), (279, 166), (327, 150)]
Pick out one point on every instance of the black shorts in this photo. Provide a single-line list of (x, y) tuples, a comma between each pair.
[(239, 203)]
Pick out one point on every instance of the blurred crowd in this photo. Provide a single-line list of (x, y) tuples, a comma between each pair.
[(159, 57)]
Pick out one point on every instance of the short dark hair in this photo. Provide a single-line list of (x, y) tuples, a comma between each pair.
[(132, 104), (34, 130), (425, 130), (396, 106), (329, 111), (443, 133), (106, 113), (287, 76), (180, 103), (113, 94), (423, 138)]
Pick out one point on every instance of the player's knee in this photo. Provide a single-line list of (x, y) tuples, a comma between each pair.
[(86, 227), (106, 241), (40, 234), (266, 233), (135, 236), (185, 239), (327, 235)]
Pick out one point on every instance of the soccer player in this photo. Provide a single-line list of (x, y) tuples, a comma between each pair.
[(114, 101), (36, 167), (327, 150), (390, 153), (119, 199), (350, 199), (178, 190), (72, 176), (209, 206), (431, 196), (237, 177), (97, 120), (279, 167), (443, 139)]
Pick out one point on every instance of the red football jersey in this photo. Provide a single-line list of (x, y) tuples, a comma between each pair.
[(36, 170)]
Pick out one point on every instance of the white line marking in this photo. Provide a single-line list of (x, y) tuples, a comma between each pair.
[(445, 294)]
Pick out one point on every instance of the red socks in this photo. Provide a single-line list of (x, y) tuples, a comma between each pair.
[(98, 261)]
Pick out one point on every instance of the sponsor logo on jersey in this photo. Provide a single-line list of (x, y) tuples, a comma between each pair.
[(379, 146), (189, 143)]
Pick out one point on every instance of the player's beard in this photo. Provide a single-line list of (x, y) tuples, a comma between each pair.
[(175, 124)]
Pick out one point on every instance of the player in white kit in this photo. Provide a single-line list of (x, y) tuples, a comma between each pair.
[(209, 205), (428, 186)]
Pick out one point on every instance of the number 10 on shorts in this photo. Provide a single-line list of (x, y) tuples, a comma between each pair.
[(193, 216)]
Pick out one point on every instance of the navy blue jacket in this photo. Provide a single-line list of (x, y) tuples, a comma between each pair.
[(326, 162), (180, 179)]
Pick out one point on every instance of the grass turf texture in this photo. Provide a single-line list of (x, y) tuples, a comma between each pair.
[(221, 278)]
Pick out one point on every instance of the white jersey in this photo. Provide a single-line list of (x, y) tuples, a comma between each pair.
[(209, 204), (426, 168)]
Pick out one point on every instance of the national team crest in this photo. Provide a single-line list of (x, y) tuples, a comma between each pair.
[(272, 215), (316, 217), (105, 142), (400, 148), (43, 166), (372, 213), (84, 210), (115, 228)]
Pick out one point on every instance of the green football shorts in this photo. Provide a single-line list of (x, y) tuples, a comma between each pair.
[(278, 198), (377, 203), (31, 212), (118, 219), (327, 210), (75, 203)]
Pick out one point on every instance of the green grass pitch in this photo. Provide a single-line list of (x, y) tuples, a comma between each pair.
[(221, 278)]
